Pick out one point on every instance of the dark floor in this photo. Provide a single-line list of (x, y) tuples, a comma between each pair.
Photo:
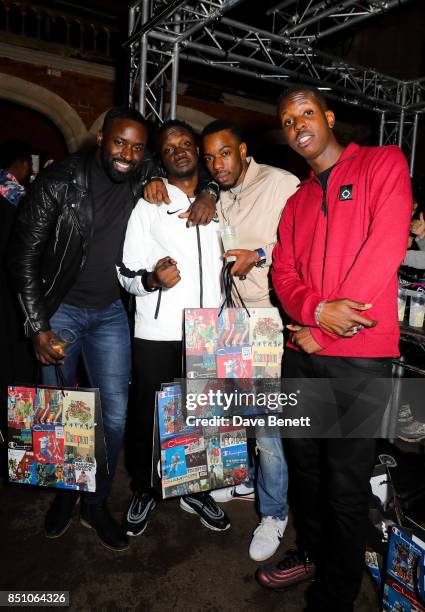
[(177, 564)]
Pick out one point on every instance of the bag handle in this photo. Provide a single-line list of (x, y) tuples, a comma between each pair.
[(59, 377), (228, 285)]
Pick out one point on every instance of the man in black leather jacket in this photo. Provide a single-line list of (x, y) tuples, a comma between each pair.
[(63, 252)]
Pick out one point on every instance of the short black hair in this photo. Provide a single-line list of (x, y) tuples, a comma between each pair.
[(14, 150), (291, 89), (123, 112), (172, 123), (218, 125)]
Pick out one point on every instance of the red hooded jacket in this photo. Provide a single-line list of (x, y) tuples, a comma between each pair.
[(353, 251)]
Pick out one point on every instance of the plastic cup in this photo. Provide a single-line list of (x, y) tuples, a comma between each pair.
[(402, 297), (229, 238), (417, 311)]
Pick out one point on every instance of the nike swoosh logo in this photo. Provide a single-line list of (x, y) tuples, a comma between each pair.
[(173, 212)]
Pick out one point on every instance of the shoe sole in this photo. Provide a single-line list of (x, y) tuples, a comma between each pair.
[(134, 535), (65, 529), (260, 559), (233, 497), (190, 510), (59, 535), (243, 498), (86, 524)]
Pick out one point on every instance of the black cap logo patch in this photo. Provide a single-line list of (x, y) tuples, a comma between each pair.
[(346, 192)]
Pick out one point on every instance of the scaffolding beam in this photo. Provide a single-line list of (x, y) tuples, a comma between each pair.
[(162, 34)]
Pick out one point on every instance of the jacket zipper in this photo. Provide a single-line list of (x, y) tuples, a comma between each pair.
[(201, 283), (79, 230), (325, 212), (60, 263), (28, 321)]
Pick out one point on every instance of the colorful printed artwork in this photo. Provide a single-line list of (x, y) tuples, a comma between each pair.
[(234, 344), (51, 440), (195, 459), (404, 585)]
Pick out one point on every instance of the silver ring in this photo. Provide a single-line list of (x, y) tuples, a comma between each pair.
[(242, 278), (356, 329)]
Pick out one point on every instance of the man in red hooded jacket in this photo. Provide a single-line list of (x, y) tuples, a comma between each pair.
[(342, 237)]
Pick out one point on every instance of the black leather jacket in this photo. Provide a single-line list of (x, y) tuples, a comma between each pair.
[(48, 247)]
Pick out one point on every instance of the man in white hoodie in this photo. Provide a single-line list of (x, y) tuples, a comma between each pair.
[(168, 267)]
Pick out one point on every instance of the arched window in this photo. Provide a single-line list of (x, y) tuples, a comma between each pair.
[(88, 38), (15, 19), (45, 24), (30, 23), (102, 41), (59, 31), (75, 35)]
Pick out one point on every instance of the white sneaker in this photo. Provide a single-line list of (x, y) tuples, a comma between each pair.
[(267, 537), (241, 491)]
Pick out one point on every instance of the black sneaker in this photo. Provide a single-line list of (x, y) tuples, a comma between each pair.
[(109, 531), (210, 514), (59, 515), (136, 519), (294, 568)]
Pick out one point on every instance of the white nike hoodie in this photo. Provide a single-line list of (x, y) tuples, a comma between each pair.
[(154, 232)]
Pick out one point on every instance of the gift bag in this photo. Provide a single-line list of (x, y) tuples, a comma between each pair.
[(193, 458), (231, 342), (404, 587), (55, 437)]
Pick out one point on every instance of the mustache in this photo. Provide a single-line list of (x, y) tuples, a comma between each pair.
[(124, 161)]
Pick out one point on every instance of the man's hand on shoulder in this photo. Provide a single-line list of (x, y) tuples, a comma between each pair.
[(166, 274), (156, 192), (341, 317), (202, 210), (43, 344), (245, 261)]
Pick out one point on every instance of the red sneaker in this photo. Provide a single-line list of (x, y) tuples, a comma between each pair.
[(294, 568)]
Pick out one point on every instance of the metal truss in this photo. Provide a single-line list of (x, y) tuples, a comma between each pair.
[(161, 34), (310, 20)]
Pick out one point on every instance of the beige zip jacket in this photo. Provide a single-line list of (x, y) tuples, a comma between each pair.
[(256, 211)]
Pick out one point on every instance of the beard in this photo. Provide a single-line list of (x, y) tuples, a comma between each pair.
[(114, 174)]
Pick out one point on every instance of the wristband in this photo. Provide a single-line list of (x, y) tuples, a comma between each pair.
[(318, 312), (262, 258)]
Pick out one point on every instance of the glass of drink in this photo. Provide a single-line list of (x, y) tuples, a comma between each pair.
[(417, 310), (402, 297), (63, 338), (229, 238)]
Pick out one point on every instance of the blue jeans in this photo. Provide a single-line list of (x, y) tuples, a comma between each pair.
[(102, 337), (272, 476)]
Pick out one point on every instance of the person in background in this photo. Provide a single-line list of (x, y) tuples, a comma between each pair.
[(15, 170), (17, 363)]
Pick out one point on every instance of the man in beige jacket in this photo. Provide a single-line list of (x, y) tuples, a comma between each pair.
[(252, 197)]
